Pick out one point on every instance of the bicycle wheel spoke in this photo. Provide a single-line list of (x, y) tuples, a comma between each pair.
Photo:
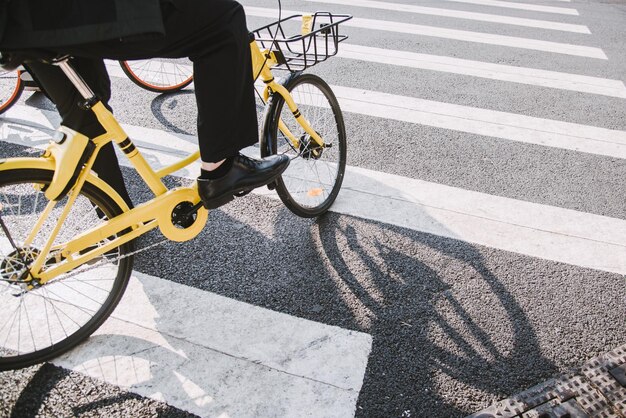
[(4, 344), (311, 182), (32, 335), (10, 89), (63, 301), (160, 74), (45, 307), (39, 320), (56, 314)]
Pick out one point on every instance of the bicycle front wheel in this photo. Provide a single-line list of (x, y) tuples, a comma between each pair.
[(39, 324), (11, 88), (159, 75), (312, 181)]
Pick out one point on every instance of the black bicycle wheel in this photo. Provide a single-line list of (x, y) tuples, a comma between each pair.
[(159, 75), (39, 324), (312, 181), (11, 88)]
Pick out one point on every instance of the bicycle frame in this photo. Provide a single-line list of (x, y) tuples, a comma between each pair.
[(262, 61), (132, 223)]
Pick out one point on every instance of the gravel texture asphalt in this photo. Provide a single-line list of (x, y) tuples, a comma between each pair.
[(456, 326)]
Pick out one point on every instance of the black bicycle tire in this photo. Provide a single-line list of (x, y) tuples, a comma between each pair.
[(274, 112), (150, 87), (17, 93), (105, 203)]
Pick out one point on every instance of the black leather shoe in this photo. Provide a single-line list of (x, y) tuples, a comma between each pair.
[(245, 174)]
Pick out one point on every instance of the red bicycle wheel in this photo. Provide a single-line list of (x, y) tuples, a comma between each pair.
[(159, 75), (11, 87)]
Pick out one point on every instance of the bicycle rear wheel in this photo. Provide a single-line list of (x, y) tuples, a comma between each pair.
[(11, 88), (312, 181), (38, 324), (159, 75)]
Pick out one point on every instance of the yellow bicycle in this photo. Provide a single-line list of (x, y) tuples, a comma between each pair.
[(66, 237)]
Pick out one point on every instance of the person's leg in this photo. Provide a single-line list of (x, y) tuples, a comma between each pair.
[(213, 34), (66, 98)]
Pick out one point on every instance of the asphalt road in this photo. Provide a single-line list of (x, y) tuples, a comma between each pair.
[(455, 325)]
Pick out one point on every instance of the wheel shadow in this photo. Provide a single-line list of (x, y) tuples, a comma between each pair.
[(442, 319), (406, 289), (412, 295), (165, 105)]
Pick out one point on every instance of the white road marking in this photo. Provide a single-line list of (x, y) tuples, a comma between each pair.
[(482, 17), (211, 355), (511, 126), (532, 229), (523, 75), (536, 230), (460, 35), (504, 125), (520, 6)]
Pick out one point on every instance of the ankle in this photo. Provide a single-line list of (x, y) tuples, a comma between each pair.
[(218, 171)]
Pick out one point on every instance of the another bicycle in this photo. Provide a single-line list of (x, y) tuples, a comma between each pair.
[(67, 238), (11, 88), (158, 75)]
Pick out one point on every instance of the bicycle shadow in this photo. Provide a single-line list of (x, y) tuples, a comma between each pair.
[(172, 102), (396, 284), (166, 104), (419, 318)]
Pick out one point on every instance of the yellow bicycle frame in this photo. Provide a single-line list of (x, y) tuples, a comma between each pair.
[(262, 61), (157, 212)]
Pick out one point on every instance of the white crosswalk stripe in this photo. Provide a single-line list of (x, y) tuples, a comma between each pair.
[(514, 74), (481, 17), (485, 122), (520, 6), (515, 127), (283, 363)]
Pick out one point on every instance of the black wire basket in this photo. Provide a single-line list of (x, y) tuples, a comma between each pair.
[(319, 39)]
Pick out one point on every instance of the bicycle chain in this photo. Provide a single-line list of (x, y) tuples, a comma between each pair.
[(102, 263)]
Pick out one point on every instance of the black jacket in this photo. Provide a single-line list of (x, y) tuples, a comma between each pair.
[(56, 23)]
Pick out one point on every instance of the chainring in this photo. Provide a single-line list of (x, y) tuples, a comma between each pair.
[(14, 267)]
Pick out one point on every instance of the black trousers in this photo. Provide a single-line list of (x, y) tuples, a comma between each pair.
[(214, 35)]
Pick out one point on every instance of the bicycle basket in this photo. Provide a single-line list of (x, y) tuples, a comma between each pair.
[(318, 40)]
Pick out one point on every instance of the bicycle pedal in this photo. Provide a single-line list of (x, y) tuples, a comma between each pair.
[(271, 186)]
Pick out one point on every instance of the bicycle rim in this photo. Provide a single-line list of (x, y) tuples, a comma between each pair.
[(312, 181), (160, 75), (38, 324), (11, 87)]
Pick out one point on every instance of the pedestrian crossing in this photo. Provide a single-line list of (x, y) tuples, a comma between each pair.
[(158, 351), (277, 364), (453, 34), (510, 73), (562, 235), (520, 6), (481, 17)]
